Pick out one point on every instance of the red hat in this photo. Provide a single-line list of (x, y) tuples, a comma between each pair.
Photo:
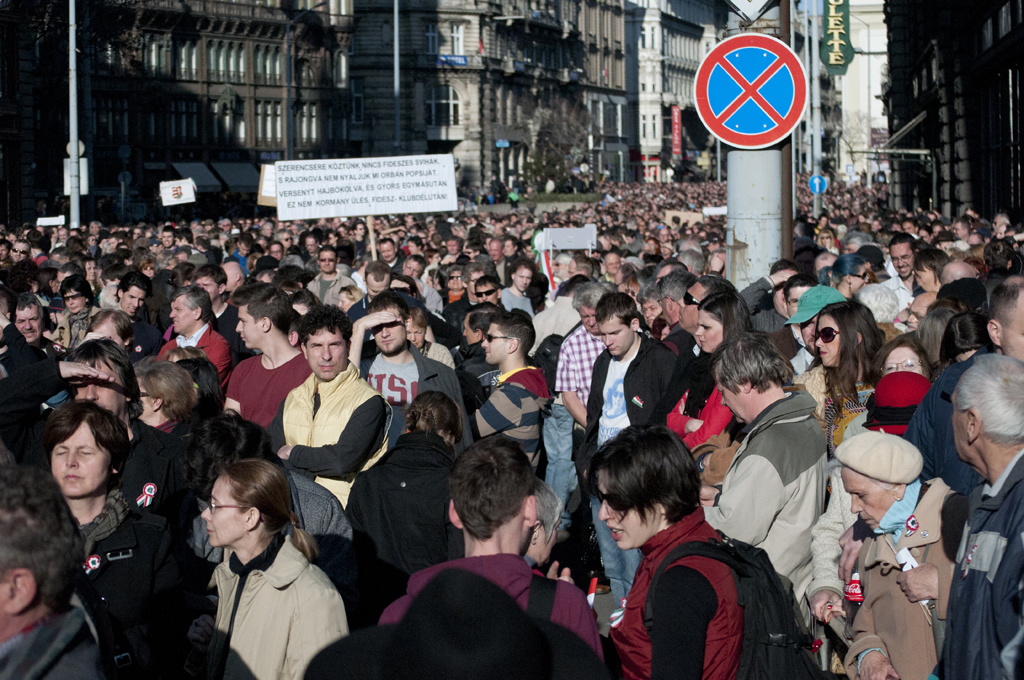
[(895, 401)]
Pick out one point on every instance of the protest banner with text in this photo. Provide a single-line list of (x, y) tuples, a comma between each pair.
[(365, 186)]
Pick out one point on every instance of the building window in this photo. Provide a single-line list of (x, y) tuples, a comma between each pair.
[(340, 69), (357, 100), (457, 39), (431, 35), (187, 61), (443, 106)]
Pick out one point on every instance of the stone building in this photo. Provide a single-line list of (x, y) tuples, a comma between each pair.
[(954, 89), (169, 90), (667, 40), (490, 82)]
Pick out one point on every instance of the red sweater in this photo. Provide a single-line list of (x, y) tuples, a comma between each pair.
[(715, 414), (725, 633)]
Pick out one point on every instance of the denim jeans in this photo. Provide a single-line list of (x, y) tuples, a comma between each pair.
[(561, 473), (619, 565)]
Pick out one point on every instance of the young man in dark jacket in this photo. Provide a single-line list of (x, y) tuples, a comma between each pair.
[(629, 379)]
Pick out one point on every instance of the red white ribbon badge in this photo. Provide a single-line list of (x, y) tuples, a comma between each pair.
[(148, 493), (92, 564), (912, 525)]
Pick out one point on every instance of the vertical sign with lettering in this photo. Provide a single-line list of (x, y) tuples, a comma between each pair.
[(677, 131), (836, 50)]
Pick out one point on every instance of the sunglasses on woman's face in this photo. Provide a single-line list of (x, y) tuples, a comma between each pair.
[(827, 334)]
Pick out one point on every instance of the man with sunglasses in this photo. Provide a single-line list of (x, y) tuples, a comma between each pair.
[(20, 251), (521, 396)]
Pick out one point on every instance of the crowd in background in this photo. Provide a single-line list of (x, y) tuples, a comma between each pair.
[(229, 444)]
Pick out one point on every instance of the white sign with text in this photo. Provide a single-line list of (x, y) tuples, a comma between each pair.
[(365, 186)]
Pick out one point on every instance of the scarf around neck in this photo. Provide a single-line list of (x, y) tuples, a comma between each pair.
[(895, 519), (114, 511)]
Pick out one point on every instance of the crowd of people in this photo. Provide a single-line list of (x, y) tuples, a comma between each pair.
[(261, 449)]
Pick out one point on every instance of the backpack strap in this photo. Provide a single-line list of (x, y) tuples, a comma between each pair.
[(707, 549), (541, 601)]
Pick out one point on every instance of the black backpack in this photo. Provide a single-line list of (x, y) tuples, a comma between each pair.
[(546, 356), (776, 644)]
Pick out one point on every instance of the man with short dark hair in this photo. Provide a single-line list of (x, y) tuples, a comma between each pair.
[(521, 396), (326, 284), (389, 254), (470, 356), (132, 291), (41, 635), (214, 280), (492, 489), (514, 297), (259, 384), (332, 425), (901, 260), (399, 371), (191, 313), (629, 379)]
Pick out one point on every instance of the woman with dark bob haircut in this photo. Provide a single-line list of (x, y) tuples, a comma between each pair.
[(127, 557), (700, 414), (649, 488)]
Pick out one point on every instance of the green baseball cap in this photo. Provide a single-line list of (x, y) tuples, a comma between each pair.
[(813, 301)]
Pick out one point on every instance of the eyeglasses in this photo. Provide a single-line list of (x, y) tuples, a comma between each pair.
[(908, 365), (214, 507), (73, 296), (455, 278), (827, 334), (862, 277), (492, 338), (492, 291), (20, 251), (690, 300)]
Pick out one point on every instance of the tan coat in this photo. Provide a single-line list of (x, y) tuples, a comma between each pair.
[(813, 382), (887, 620), (286, 615)]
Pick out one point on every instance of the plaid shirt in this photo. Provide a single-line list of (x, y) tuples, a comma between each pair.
[(576, 360)]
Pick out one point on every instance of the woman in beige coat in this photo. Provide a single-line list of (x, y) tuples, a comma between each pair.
[(276, 610), (905, 572)]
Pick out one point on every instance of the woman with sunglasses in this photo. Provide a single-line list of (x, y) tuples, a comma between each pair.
[(78, 300), (844, 373), (275, 609), (700, 413), (849, 274)]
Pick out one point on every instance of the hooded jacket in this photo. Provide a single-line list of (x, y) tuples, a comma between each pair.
[(399, 515), (514, 410), (774, 489)]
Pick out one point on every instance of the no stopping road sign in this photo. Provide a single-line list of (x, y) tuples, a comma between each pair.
[(751, 91)]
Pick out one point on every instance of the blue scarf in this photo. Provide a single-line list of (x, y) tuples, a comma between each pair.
[(895, 520)]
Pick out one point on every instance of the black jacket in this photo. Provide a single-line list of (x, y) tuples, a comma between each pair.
[(645, 382), (136, 576), (399, 514), (147, 342), (152, 478)]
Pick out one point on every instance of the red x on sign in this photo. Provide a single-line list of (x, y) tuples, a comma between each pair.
[(751, 91)]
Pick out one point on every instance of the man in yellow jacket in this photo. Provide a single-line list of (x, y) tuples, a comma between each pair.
[(334, 424)]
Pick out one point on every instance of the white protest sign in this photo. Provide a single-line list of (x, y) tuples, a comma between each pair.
[(57, 221), (365, 186), (178, 192), (715, 211)]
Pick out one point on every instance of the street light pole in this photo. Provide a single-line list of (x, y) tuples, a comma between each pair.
[(398, 86), (74, 179), (288, 119)]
